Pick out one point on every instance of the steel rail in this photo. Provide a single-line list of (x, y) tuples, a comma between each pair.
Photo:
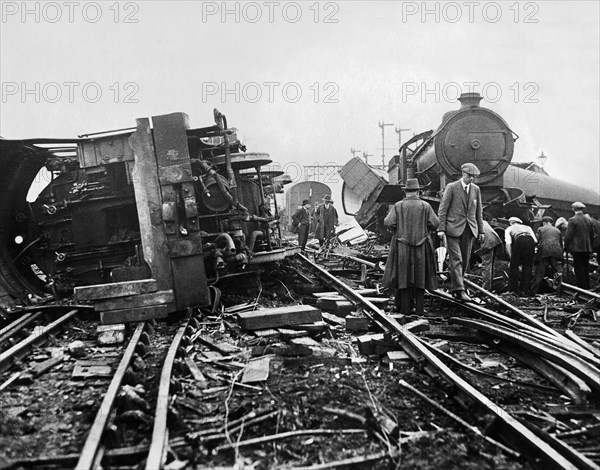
[(18, 325), (578, 290), (555, 339), (93, 442), (19, 350), (160, 431), (513, 432), (574, 364), (527, 318)]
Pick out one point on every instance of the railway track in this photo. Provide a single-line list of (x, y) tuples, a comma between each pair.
[(100, 414), (540, 447), (315, 404)]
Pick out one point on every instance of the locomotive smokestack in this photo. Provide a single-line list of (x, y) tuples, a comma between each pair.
[(469, 100)]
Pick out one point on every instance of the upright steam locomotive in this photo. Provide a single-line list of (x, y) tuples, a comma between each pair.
[(469, 134), (159, 199)]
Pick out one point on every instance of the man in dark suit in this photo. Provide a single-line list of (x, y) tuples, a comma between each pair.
[(578, 242), (461, 221), (301, 219)]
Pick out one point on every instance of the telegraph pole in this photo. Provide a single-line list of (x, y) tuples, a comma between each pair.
[(382, 126), (353, 151), (366, 157), (399, 132)]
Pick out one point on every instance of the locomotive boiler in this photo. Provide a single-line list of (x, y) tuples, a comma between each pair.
[(470, 134), (183, 206)]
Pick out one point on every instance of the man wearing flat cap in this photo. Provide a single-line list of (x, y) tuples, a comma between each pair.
[(549, 252), (301, 220), (410, 266), (327, 220), (520, 245), (578, 241), (461, 221)]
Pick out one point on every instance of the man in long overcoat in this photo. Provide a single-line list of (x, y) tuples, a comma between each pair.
[(327, 219), (410, 267), (461, 220), (578, 242)]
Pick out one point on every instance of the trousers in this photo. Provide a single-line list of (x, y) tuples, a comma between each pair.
[(522, 254), (302, 236), (487, 268), (581, 266), (459, 256)]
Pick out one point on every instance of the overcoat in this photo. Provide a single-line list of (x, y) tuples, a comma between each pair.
[(327, 219), (411, 261)]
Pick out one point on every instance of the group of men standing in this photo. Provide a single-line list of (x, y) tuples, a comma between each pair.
[(410, 268), (325, 216)]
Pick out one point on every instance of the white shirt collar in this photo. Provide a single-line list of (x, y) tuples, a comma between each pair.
[(464, 186)]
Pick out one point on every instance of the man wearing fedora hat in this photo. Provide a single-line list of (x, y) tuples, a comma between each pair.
[(327, 220), (578, 241), (301, 220), (410, 266), (461, 220)]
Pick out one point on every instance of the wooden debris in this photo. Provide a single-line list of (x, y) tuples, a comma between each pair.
[(115, 289), (395, 356), (134, 314), (333, 319), (288, 333), (111, 334), (196, 372), (341, 308), (87, 369), (305, 342), (41, 367), (316, 327), (222, 347), (279, 316), (268, 333), (257, 370), (293, 350), (356, 323), (135, 301), (417, 326)]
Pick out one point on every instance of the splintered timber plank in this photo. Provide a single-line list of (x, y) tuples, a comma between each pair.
[(115, 289), (135, 301), (134, 314), (280, 316)]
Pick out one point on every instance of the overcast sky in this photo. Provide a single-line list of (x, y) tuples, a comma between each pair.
[(308, 81)]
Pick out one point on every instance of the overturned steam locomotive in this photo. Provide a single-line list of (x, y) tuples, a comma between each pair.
[(469, 134), (183, 206)]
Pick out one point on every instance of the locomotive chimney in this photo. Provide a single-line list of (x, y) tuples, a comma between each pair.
[(469, 100)]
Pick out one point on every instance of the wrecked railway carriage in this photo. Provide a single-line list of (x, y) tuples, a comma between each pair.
[(158, 201), (469, 134)]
